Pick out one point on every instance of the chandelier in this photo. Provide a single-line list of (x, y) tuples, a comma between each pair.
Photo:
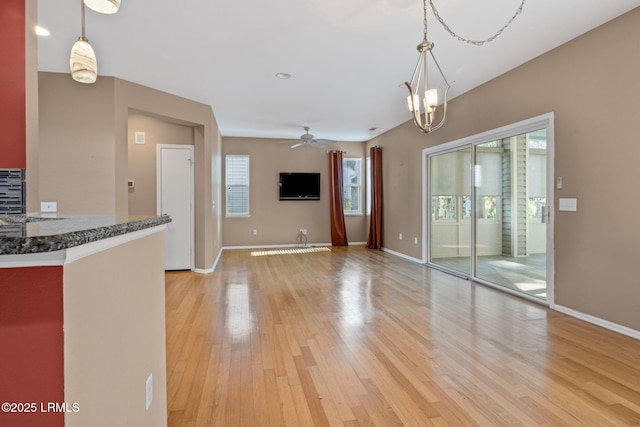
[(419, 85)]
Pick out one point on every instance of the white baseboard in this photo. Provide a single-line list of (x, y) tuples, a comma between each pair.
[(598, 321), (401, 255), (224, 248), (212, 269)]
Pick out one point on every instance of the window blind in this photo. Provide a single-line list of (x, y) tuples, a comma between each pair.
[(237, 185)]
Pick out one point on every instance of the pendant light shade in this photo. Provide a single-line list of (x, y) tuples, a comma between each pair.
[(103, 6), (83, 62)]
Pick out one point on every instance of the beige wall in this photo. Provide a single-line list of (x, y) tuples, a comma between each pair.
[(132, 97), (591, 84), (142, 157), (114, 328), (279, 222), (84, 149), (77, 144)]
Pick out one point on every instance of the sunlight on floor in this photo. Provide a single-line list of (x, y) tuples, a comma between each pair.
[(290, 251)]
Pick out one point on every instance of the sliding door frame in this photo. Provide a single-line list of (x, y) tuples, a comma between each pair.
[(545, 121)]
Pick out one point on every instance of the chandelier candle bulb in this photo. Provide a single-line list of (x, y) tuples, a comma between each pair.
[(431, 99)]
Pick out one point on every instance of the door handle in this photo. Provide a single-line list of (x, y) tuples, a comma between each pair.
[(545, 214)]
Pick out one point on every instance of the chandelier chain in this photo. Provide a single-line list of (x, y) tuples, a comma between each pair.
[(424, 21), (462, 39)]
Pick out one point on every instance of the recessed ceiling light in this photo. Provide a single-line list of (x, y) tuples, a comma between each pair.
[(41, 31), (283, 76)]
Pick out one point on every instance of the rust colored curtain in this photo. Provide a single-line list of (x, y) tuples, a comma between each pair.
[(374, 241), (338, 227)]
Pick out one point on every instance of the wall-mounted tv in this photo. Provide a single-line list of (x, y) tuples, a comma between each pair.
[(299, 185)]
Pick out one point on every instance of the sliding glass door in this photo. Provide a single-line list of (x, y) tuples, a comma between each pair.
[(489, 212), (450, 222)]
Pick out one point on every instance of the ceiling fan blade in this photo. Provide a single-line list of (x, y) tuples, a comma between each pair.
[(297, 145), (320, 143)]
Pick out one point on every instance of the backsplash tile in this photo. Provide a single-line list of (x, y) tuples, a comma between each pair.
[(12, 191)]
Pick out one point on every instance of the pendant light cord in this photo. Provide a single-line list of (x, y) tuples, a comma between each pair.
[(82, 17), (462, 39)]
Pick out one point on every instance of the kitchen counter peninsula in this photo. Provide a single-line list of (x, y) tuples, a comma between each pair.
[(29, 234), (82, 319)]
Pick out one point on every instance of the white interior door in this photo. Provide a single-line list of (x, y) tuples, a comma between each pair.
[(175, 198)]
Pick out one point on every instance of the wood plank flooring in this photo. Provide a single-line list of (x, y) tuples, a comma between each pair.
[(355, 337)]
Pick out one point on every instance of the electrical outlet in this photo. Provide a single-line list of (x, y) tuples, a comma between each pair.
[(48, 206), (149, 390), (415, 240), (400, 236), (303, 231), (255, 232)]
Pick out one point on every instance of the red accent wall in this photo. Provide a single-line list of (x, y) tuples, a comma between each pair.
[(31, 343), (13, 152)]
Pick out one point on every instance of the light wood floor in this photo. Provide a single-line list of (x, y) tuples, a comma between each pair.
[(354, 337)]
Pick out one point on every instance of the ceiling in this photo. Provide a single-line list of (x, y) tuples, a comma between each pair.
[(347, 58)]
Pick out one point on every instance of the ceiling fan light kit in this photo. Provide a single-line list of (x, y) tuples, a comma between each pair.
[(419, 84)]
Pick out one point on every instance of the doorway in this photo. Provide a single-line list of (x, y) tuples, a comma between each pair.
[(488, 208), (175, 197)]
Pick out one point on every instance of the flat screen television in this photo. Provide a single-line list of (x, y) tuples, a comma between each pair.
[(299, 185)]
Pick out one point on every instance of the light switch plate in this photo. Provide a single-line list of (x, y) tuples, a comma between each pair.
[(48, 206), (568, 205)]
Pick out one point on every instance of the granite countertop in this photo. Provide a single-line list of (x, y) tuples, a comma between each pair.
[(28, 234)]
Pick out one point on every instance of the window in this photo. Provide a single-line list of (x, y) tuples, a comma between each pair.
[(443, 208), (535, 205), (237, 184), (466, 207), (352, 185), (489, 207)]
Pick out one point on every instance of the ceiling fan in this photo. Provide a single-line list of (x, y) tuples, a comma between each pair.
[(308, 139)]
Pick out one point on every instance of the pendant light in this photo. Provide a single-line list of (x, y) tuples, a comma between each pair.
[(419, 86), (103, 6), (82, 61)]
